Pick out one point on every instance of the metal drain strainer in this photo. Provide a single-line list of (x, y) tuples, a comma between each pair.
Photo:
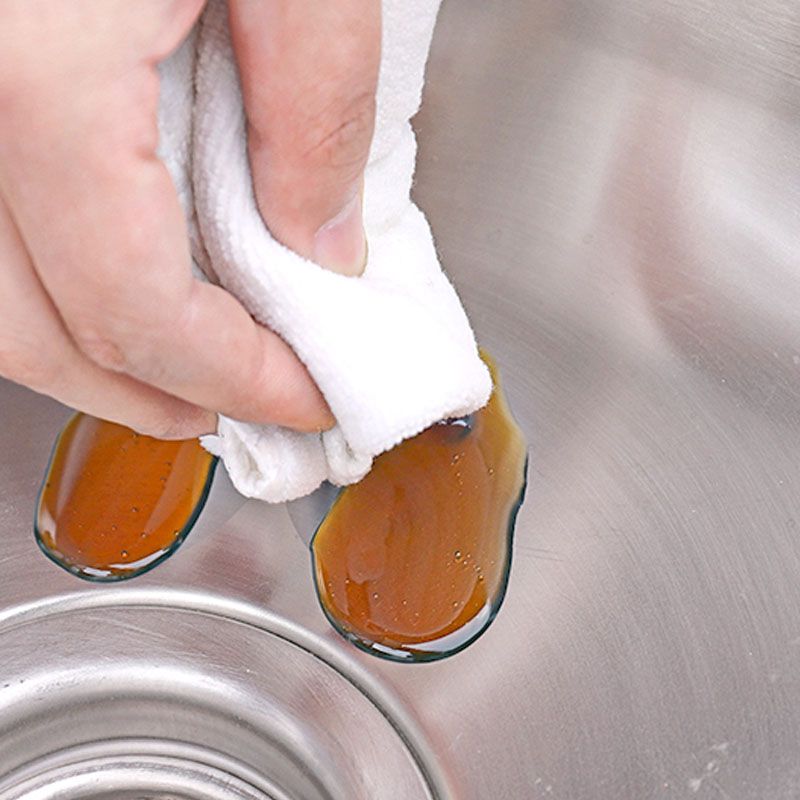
[(159, 703)]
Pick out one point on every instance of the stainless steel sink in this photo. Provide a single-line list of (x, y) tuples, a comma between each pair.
[(615, 187)]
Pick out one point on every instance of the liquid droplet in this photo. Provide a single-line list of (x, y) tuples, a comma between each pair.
[(457, 555)]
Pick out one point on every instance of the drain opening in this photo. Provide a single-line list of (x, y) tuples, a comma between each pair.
[(137, 770)]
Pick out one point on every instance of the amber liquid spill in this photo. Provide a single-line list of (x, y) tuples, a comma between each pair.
[(412, 562), (115, 503)]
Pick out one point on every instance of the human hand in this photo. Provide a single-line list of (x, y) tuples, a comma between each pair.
[(98, 307)]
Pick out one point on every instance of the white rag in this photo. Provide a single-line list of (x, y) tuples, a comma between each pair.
[(392, 351)]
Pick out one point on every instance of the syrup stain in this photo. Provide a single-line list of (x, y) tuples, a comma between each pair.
[(412, 562), (115, 503)]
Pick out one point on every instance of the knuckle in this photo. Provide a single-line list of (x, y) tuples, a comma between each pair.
[(118, 333), (103, 347), (339, 135), (111, 339)]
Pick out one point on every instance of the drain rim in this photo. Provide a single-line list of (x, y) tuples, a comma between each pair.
[(141, 768), (436, 783)]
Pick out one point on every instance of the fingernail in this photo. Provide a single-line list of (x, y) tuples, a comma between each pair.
[(341, 244)]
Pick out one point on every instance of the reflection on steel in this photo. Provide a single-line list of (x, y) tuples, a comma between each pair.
[(615, 190)]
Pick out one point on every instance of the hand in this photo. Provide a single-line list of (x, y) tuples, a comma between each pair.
[(98, 307)]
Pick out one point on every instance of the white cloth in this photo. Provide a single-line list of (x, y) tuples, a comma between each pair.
[(392, 350)]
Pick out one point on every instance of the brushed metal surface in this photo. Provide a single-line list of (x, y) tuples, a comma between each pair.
[(615, 190)]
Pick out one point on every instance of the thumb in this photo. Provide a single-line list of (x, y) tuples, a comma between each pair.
[(309, 71)]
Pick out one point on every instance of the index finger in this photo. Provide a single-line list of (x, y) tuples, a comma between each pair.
[(101, 219)]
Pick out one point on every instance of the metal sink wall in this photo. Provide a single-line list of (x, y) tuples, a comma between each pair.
[(615, 189)]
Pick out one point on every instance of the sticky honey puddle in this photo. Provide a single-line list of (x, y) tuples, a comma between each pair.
[(115, 503), (410, 564)]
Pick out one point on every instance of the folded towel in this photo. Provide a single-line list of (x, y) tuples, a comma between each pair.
[(392, 350)]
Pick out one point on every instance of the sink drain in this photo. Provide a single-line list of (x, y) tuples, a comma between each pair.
[(137, 770), (127, 702)]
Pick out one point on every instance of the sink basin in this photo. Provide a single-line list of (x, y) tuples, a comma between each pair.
[(614, 188)]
